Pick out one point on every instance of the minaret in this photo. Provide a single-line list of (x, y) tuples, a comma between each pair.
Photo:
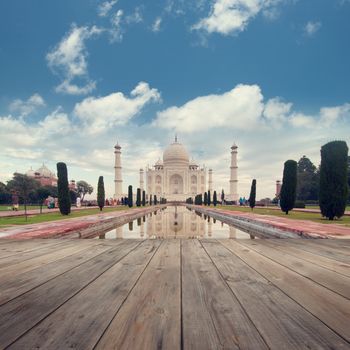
[(278, 188), (210, 183), (141, 181), (118, 182), (234, 175)]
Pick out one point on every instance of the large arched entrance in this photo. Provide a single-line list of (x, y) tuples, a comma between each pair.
[(176, 185)]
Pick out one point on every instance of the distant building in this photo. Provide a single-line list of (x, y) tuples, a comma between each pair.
[(44, 175)]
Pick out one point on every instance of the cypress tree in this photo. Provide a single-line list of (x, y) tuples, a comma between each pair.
[(63, 189), (100, 193), (209, 198), (252, 195), (222, 196), (215, 199), (130, 199), (205, 198), (333, 179), (200, 199), (155, 200), (150, 199), (138, 197), (289, 186), (143, 198)]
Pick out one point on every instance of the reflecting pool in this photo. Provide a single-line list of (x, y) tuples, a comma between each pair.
[(175, 221)]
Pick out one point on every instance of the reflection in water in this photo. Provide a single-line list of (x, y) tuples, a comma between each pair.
[(175, 221)]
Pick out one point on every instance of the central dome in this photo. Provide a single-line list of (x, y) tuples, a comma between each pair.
[(176, 154)]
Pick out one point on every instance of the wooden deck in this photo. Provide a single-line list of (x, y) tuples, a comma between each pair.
[(175, 294)]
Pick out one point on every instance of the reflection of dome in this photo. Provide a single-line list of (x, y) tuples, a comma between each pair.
[(176, 154), (44, 171)]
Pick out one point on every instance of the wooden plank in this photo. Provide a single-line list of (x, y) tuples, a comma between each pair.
[(328, 252), (330, 264), (331, 280), (41, 260), (17, 284), (341, 245), (150, 318), (331, 308), (23, 313), (20, 257), (13, 247), (280, 320), (80, 322), (212, 316)]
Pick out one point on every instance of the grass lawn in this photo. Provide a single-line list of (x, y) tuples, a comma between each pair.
[(5, 207), (20, 220), (345, 220), (317, 207)]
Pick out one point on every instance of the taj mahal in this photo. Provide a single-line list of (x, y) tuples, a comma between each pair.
[(176, 177)]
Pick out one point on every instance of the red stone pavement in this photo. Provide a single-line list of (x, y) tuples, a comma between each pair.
[(302, 227), (63, 227)]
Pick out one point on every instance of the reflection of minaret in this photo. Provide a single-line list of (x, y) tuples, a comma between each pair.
[(141, 181), (234, 175), (210, 187), (232, 232), (118, 193), (119, 232), (210, 229), (142, 229)]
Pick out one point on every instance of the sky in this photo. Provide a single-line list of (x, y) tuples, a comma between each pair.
[(78, 76)]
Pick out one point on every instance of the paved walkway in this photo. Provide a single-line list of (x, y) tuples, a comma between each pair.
[(60, 228), (302, 227), (64, 227)]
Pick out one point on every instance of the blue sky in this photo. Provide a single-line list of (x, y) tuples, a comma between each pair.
[(271, 75)]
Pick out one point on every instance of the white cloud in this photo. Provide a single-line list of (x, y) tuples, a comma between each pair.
[(329, 115), (26, 107), (135, 17), (104, 8), (116, 30), (311, 28), (276, 111), (69, 59), (156, 24), (99, 113), (239, 108), (232, 16)]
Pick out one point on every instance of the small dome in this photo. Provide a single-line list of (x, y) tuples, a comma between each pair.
[(193, 163), (30, 172), (176, 154), (159, 162), (44, 171)]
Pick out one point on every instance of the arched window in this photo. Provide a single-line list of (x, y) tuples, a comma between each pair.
[(193, 179)]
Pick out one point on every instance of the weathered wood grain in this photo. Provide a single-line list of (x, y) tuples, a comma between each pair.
[(281, 321), (330, 264), (21, 314), (37, 253), (331, 280), (82, 322), (322, 250), (212, 316), (150, 318), (11, 247), (331, 308), (16, 284), (30, 264)]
